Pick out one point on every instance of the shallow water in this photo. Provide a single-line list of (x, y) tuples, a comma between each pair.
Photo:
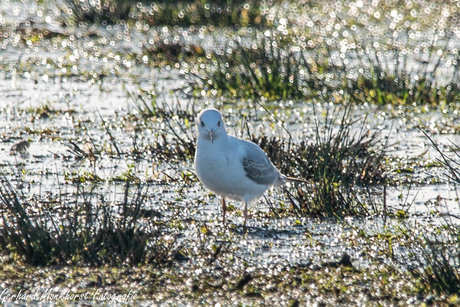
[(83, 81)]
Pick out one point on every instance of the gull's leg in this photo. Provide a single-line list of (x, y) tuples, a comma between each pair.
[(224, 208), (245, 213)]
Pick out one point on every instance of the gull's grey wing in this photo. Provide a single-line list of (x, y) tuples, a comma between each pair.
[(257, 165)]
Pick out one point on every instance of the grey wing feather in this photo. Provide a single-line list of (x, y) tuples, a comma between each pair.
[(257, 165)]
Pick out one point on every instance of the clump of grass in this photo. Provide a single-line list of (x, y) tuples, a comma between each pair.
[(365, 67), (269, 68), (343, 166), (173, 139), (221, 13), (435, 260), (450, 164), (440, 270), (103, 11), (228, 13), (172, 51), (20, 233), (80, 230), (399, 76)]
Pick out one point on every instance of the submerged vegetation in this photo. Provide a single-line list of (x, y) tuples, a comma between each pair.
[(98, 141)]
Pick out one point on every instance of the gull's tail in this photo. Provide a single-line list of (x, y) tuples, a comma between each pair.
[(292, 179), (283, 179)]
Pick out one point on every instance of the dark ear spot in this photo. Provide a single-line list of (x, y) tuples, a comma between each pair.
[(202, 123), (218, 123)]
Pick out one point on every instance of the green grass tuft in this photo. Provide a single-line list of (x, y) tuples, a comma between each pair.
[(79, 231), (343, 165), (270, 68), (222, 13), (400, 76)]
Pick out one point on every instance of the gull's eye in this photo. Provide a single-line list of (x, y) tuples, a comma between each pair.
[(202, 123), (218, 123)]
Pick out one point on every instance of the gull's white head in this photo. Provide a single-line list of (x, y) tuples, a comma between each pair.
[(210, 124)]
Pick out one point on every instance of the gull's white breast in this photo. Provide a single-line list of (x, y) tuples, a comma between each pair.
[(219, 167)]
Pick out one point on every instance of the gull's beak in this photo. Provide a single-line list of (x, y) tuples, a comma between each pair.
[(211, 136)]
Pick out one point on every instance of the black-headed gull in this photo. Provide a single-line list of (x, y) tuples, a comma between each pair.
[(231, 167)]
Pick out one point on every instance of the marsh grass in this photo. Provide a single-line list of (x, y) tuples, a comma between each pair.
[(443, 271), (344, 164), (173, 128), (274, 68), (268, 68), (222, 13), (104, 11), (401, 76), (435, 260), (450, 164), (165, 51), (278, 66), (80, 229)]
